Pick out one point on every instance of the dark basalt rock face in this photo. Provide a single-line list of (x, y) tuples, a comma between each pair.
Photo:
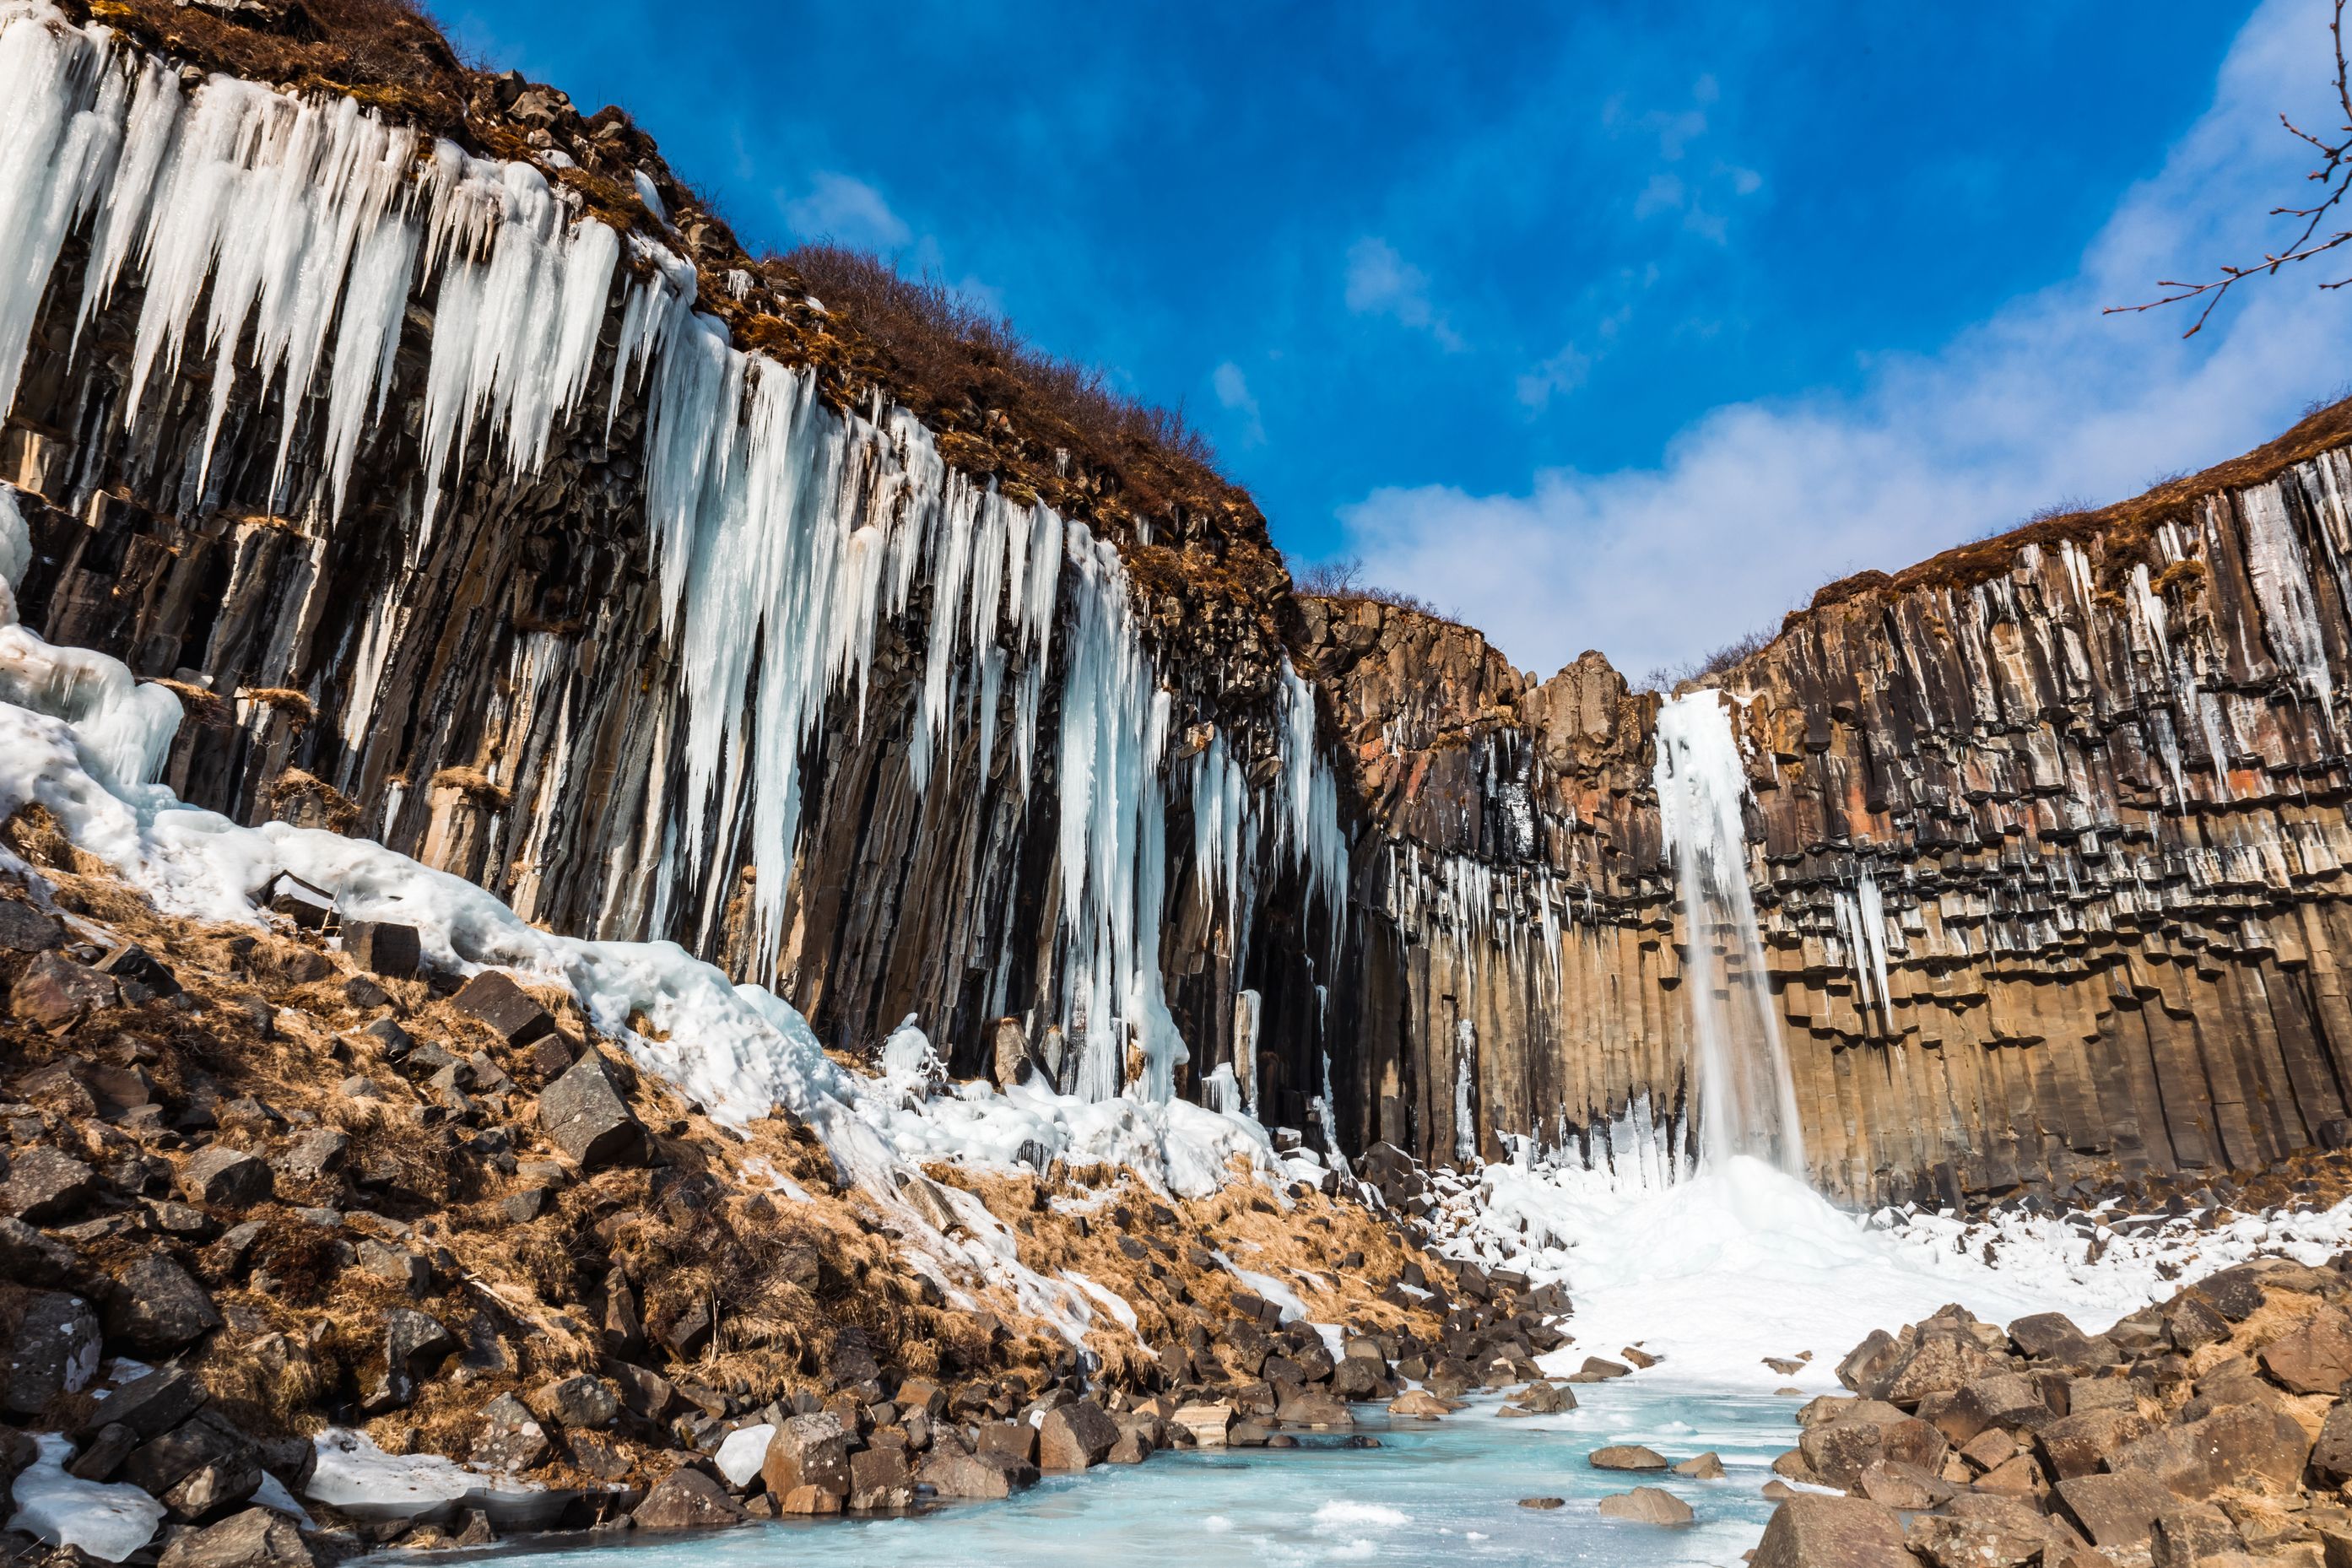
[(2086, 800)]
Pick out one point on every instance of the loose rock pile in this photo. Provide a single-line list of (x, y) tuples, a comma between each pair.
[(315, 1187), (2209, 1430)]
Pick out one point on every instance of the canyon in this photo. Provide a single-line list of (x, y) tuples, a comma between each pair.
[(473, 492)]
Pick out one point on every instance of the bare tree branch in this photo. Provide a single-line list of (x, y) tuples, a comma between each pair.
[(2335, 176)]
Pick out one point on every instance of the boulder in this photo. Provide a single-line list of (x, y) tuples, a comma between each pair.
[(583, 1402), (2003, 1399), (879, 1478), (257, 1538), (1948, 1541), (2189, 1533), (1210, 1422), (957, 1475), (1707, 1467), (45, 1186), (28, 1258), (1545, 1399), (585, 1115), (1938, 1365), (808, 1451), (316, 1154), (155, 1307), (103, 1454), (150, 1406), (2080, 1444), (687, 1499), (1810, 1531), (24, 929), (2053, 1337), (1008, 1440), (2254, 1446), (414, 1346), (2114, 1511), (200, 1469), (512, 1439), (56, 1352), (496, 1000), (1596, 1370), (229, 1177), (1078, 1435), (2315, 1358), (1626, 1457), (1313, 1407), (1870, 1365), (2331, 1457), (54, 992), (382, 947), (1646, 1505), (1841, 1450)]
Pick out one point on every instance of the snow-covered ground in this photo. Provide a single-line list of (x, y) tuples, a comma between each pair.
[(1740, 1261)]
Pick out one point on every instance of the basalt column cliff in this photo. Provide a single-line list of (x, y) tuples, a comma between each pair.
[(2047, 841)]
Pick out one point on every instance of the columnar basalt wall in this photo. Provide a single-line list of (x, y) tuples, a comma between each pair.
[(2047, 844), (463, 513)]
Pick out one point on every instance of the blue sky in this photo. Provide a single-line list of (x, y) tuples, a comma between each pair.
[(1612, 325)]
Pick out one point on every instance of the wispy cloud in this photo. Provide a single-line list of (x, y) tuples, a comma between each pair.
[(1382, 283), (842, 208), (1757, 504), (1233, 390)]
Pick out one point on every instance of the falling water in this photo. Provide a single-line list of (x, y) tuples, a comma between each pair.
[(1746, 1101)]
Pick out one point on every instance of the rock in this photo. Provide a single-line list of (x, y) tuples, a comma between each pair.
[(2190, 1533), (2331, 1457), (879, 1478), (954, 1475), (1841, 1450), (28, 1258), (1008, 1440), (495, 999), (156, 1309), (1420, 1402), (54, 992), (1647, 1505), (1010, 1063), (228, 1177), (1905, 1488), (1870, 1365), (1978, 1542), (1543, 1503), (316, 1154), (1939, 1366), (2315, 1358), (2081, 1444), (99, 1459), (1312, 1407), (1810, 1531), (257, 1538), (1707, 1467), (24, 929), (512, 1439), (199, 1468), (808, 1451), (395, 1266), (583, 1402), (150, 1406), (2114, 1511), (686, 1500), (1626, 1457), (2257, 1446), (1545, 1399), (1076, 1436), (1209, 1423), (382, 947), (583, 1114), (2003, 1399), (56, 1352), (415, 1344), (44, 1186), (1595, 1369), (2053, 1337)]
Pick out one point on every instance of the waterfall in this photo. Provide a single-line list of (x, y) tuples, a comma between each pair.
[(1747, 1103)]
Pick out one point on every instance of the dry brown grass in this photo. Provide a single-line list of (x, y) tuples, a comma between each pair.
[(476, 786), (295, 705), (295, 789)]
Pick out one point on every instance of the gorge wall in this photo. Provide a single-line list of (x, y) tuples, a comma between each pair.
[(474, 492), (2047, 840)]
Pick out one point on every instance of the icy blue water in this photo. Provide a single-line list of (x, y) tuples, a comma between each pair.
[(1435, 1492)]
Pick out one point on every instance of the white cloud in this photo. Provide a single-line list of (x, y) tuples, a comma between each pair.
[(1564, 372), (1757, 504), (846, 210), (1233, 395), (1382, 283), (1663, 193)]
